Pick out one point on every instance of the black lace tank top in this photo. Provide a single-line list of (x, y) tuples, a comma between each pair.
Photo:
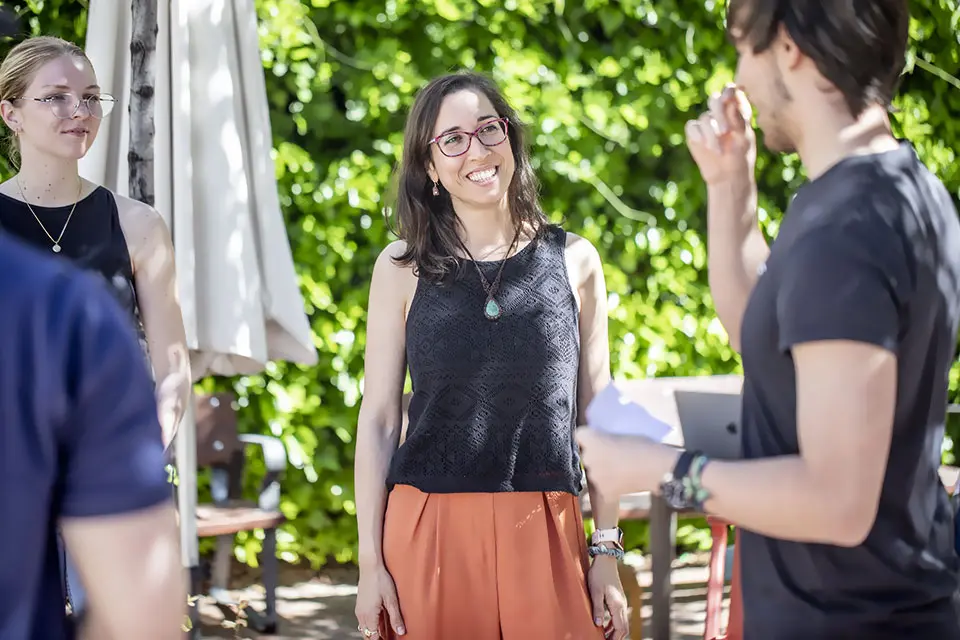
[(93, 241), (494, 401)]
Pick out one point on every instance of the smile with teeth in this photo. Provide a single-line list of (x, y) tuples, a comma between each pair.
[(482, 177)]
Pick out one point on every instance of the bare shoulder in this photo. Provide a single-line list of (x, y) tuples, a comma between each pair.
[(145, 231), (583, 259), (141, 223), (387, 272), (581, 247), (392, 252), (393, 285)]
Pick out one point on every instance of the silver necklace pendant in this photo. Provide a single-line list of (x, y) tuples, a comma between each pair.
[(56, 248), (492, 309)]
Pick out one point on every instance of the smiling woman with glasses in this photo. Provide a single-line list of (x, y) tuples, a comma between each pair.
[(52, 106), (470, 523)]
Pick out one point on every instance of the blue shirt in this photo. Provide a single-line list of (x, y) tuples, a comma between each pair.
[(79, 435)]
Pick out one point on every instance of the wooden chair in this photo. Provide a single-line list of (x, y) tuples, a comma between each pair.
[(223, 450)]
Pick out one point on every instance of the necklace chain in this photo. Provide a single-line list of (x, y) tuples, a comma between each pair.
[(491, 308), (56, 243)]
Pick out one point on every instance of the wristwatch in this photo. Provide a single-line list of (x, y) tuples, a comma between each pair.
[(608, 535), (674, 488)]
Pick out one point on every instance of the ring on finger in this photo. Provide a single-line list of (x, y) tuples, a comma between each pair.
[(367, 633)]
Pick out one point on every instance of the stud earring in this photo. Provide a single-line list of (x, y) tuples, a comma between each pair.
[(436, 188)]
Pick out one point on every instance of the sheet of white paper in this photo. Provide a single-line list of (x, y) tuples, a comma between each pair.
[(613, 413)]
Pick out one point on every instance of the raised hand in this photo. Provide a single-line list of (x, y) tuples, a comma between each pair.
[(722, 141)]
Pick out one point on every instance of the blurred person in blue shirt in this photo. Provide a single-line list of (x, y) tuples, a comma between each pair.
[(81, 449)]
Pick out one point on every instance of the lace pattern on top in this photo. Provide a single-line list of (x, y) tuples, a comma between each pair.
[(494, 402)]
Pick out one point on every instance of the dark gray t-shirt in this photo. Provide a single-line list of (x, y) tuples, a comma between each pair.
[(869, 252)]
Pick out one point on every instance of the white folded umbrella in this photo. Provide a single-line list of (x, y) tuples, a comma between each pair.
[(215, 186)]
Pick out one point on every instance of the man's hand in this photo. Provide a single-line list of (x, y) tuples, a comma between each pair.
[(722, 140), (618, 465)]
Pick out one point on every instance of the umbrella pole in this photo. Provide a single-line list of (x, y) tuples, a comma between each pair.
[(186, 444), (143, 49)]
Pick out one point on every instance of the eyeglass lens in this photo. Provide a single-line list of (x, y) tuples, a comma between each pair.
[(65, 105), (457, 142)]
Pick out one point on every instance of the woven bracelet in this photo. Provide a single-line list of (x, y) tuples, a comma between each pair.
[(600, 550)]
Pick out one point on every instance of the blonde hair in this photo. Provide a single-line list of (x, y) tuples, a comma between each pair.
[(21, 65)]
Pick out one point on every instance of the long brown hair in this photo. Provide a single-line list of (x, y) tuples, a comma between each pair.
[(427, 223)]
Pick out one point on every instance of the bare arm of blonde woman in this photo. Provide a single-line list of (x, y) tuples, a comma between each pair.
[(155, 274), (378, 431), (586, 273)]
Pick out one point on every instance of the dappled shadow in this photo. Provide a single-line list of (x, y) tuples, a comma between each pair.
[(689, 610), (305, 611), (320, 604), (311, 604)]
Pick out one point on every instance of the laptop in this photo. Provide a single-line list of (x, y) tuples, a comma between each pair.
[(710, 422)]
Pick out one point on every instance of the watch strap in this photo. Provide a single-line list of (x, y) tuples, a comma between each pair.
[(682, 467)]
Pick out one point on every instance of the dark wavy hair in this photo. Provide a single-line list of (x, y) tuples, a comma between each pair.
[(858, 45), (427, 223)]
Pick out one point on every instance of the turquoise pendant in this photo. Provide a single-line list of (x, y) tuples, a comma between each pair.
[(492, 309)]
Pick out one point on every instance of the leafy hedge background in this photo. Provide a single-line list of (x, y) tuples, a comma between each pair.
[(606, 86)]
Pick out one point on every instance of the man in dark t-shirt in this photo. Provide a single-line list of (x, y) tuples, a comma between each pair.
[(81, 448), (869, 255), (847, 328)]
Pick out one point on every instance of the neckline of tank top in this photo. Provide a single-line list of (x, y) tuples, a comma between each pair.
[(516, 253), (39, 207)]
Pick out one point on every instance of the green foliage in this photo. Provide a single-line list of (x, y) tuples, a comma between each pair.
[(606, 88)]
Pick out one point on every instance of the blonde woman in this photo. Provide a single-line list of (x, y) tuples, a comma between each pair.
[(52, 105)]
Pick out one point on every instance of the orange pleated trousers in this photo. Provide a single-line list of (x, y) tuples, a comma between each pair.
[(488, 566)]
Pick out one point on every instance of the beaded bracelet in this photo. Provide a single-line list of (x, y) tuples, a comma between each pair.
[(599, 550), (698, 494)]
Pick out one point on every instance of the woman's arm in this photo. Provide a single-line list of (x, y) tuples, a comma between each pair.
[(154, 268), (603, 581), (380, 420), (586, 268)]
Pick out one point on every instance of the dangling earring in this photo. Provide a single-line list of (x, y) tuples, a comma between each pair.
[(436, 188)]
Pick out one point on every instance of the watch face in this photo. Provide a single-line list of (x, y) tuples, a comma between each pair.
[(618, 541), (673, 494)]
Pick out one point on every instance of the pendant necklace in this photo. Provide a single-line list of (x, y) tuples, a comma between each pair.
[(491, 308), (56, 243)]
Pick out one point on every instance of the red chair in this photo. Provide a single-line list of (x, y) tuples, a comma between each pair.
[(715, 581)]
